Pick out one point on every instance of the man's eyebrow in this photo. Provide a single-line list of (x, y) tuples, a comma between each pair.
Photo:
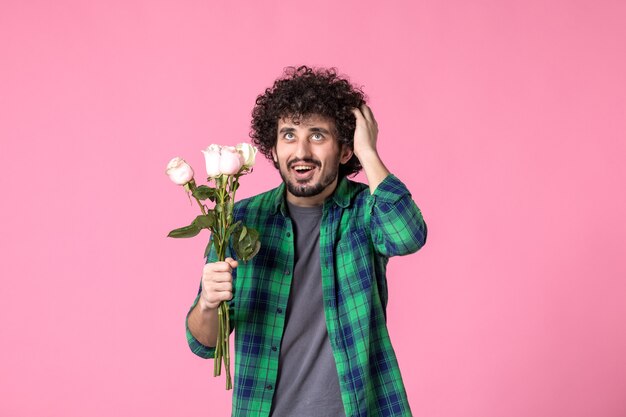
[(311, 129), (319, 129)]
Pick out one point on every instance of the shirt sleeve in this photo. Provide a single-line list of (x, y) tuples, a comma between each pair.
[(396, 222)]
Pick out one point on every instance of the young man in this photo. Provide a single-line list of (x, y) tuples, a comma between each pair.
[(309, 311)]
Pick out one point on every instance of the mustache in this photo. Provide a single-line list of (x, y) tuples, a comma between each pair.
[(305, 160)]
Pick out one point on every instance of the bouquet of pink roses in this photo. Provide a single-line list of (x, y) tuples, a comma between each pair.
[(224, 166)]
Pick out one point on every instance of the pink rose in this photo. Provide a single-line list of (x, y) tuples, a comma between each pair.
[(231, 161), (179, 171), (212, 160)]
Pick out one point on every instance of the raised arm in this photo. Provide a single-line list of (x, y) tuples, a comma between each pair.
[(396, 223)]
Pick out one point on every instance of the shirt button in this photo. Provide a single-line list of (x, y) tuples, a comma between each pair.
[(274, 348), (269, 387), (288, 234), (279, 310), (287, 272)]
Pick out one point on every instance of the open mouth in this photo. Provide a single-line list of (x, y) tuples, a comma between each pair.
[(303, 171)]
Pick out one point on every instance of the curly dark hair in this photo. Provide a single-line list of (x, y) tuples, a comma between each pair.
[(302, 92)]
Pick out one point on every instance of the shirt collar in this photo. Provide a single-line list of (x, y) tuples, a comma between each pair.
[(341, 196)]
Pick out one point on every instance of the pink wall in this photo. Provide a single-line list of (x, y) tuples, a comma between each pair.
[(505, 119)]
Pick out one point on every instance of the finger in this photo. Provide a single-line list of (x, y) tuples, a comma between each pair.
[(358, 114), (220, 277), (217, 297), (222, 286), (233, 263), (225, 295), (214, 293), (218, 267), (367, 113)]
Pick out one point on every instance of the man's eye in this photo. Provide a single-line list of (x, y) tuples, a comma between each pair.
[(317, 136), (289, 136)]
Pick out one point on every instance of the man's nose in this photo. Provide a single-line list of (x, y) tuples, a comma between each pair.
[(303, 149)]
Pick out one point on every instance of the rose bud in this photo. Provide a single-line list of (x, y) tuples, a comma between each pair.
[(230, 161), (248, 153), (179, 171), (212, 160)]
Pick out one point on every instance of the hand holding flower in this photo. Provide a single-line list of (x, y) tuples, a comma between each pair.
[(224, 165)]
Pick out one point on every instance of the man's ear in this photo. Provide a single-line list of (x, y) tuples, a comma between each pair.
[(346, 154)]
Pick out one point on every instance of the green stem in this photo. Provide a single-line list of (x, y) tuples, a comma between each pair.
[(201, 206), (235, 180), (192, 187), (218, 348), (222, 350), (229, 383), (217, 356)]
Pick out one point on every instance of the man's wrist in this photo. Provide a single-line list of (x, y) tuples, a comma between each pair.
[(367, 155)]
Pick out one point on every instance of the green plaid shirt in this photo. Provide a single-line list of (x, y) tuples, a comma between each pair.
[(358, 234)]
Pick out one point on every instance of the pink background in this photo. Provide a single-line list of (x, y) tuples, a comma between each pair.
[(506, 119)]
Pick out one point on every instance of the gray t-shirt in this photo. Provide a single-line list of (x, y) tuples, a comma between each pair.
[(307, 384)]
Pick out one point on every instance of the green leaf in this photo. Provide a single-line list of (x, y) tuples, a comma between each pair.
[(235, 229), (238, 251), (248, 245), (205, 221), (253, 234), (232, 228), (187, 231), (203, 192), (255, 250), (243, 233)]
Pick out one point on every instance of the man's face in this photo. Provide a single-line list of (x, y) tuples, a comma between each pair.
[(308, 156)]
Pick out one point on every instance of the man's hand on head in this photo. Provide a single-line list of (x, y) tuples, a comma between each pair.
[(365, 137), (366, 132)]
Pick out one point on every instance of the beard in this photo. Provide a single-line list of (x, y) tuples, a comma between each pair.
[(302, 189)]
